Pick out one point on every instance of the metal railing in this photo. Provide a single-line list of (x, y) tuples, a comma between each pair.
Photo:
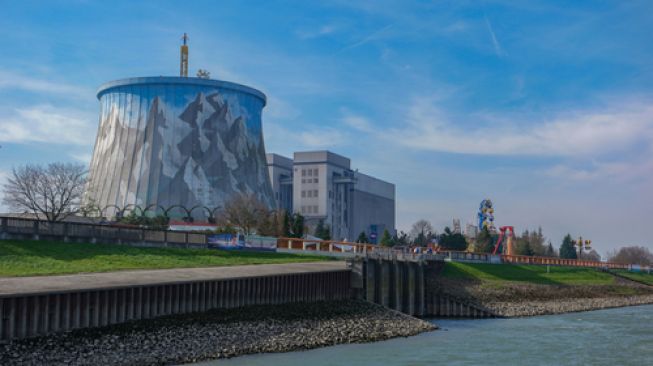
[(420, 253), (34, 228), (520, 259)]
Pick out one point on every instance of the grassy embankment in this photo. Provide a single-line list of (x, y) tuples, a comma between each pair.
[(34, 258), (497, 274), (646, 278), (523, 290)]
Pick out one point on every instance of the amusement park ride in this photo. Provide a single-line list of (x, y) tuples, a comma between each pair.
[(506, 233)]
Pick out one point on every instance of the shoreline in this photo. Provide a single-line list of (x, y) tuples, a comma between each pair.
[(229, 333), (218, 334), (522, 299), (565, 306)]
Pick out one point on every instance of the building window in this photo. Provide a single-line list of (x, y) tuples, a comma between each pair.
[(314, 209), (315, 193), (315, 180), (303, 172), (310, 172), (315, 172), (303, 180), (310, 193), (303, 194)]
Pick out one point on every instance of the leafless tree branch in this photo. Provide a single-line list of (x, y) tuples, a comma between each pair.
[(53, 191)]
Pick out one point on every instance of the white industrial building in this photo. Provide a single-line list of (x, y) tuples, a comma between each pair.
[(321, 185)]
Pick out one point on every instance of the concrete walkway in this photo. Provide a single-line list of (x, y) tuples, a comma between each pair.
[(45, 284)]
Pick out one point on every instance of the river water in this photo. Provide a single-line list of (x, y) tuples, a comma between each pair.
[(622, 336)]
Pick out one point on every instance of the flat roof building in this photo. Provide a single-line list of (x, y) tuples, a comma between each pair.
[(280, 171), (321, 186)]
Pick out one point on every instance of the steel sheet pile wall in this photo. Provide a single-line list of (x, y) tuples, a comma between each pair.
[(23, 316), (401, 285)]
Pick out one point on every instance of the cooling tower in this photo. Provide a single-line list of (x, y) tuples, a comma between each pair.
[(166, 141)]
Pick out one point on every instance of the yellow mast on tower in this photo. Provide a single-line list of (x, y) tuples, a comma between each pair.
[(183, 67)]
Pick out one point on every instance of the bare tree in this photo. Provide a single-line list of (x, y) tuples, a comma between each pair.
[(421, 232), (246, 212), (631, 255), (53, 191), (593, 255)]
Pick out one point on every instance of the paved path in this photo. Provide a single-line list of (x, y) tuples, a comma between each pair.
[(45, 284)]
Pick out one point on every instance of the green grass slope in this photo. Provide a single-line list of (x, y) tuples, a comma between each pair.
[(497, 273), (30, 258), (646, 278)]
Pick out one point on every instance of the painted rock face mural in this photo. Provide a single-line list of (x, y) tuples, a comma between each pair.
[(169, 141)]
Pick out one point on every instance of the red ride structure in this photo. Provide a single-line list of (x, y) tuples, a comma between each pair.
[(507, 233)]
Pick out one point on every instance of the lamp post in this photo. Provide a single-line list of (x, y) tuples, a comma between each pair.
[(582, 244)]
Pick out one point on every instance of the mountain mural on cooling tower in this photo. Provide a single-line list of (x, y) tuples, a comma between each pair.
[(203, 156), (218, 157)]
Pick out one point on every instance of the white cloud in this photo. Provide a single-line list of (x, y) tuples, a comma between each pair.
[(370, 37), (82, 157), (280, 109), (581, 133), (9, 80), (357, 122), (45, 123), (316, 33), (322, 138), (456, 26), (497, 47), (282, 140)]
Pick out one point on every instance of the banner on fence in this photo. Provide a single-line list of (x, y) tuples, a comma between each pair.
[(240, 241), (226, 241), (261, 242)]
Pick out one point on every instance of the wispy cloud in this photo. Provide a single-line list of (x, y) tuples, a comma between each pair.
[(370, 37), (279, 109), (45, 123), (495, 43), (285, 141), (316, 33), (322, 138), (357, 122), (579, 133), (9, 80), (82, 157)]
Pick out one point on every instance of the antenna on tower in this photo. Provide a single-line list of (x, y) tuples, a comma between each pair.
[(183, 67)]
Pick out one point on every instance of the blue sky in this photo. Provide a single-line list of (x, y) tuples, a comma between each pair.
[(543, 106)]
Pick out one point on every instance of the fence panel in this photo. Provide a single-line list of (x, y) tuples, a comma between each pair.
[(51, 228), (106, 232), (174, 237), (196, 238), (80, 230), (154, 235), (19, 226), (130, 234)]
